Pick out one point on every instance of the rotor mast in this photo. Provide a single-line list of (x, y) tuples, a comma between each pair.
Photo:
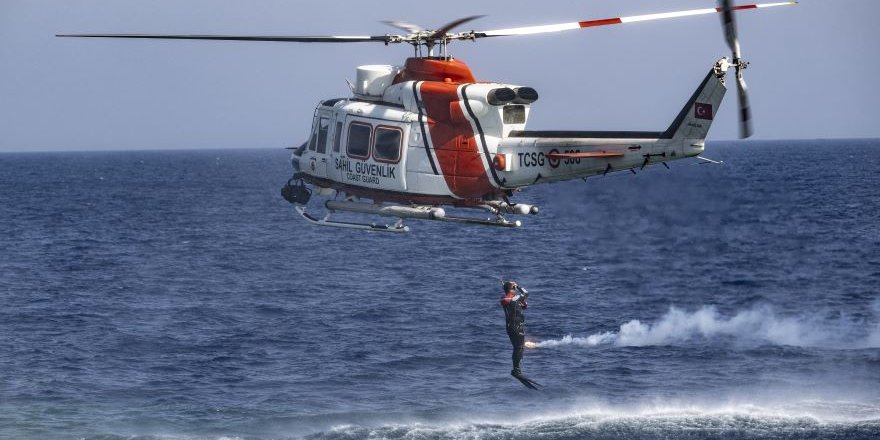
[(424, 41)]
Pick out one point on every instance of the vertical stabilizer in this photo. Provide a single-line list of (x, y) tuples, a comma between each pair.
[(696, 117)]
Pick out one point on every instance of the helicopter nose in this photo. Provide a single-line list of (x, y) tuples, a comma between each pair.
[(294, 162), (297, 155)]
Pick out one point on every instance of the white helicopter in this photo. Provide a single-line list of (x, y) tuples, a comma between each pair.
[(416, 138)]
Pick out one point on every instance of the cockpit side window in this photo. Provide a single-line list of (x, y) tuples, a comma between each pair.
[(323, 128), (313, 141)]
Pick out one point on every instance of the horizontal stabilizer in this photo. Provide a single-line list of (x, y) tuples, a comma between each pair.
[(582, 155)]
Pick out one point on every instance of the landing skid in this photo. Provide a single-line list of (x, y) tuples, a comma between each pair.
[(398, 226), (325, 221), (501, 221)]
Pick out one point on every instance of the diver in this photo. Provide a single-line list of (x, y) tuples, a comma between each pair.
[(514, 304)]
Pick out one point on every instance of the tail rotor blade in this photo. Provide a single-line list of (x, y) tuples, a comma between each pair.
[(745, 110), (729, 24)]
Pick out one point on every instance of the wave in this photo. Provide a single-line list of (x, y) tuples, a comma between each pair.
[(759, 325), (732, 427), (576, 428), (804, 420), (597, 421), (720, 417)]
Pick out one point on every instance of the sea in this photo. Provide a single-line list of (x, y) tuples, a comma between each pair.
[(165, 295)]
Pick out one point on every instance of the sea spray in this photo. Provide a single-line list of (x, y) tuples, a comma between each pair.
[(759, 325)]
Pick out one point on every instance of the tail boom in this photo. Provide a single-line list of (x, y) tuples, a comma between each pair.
[(548, 156)]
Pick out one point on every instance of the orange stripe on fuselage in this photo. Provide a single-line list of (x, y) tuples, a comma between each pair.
[(454, 141)]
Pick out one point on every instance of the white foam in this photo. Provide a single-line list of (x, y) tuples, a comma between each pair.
[(757, 325), (657, 419)]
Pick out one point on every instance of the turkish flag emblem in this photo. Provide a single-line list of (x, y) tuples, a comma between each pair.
[(703, 111)]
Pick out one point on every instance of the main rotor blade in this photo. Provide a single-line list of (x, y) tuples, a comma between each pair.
[(529, 30), (298, 39), (453, 24), (402, 25), (729, 24)]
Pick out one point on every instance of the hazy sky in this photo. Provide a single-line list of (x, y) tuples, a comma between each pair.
[(813, 73)]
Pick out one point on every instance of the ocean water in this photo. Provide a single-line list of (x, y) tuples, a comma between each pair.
[(175, 295)]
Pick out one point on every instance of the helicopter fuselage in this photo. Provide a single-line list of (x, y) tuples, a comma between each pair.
[(430, 134)]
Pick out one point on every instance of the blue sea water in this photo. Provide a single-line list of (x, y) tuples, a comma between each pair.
[(175, 295)]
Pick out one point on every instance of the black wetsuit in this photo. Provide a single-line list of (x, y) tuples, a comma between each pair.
[(514, 314)]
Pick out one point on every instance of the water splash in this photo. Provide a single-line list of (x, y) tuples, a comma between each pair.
[(760, 325)]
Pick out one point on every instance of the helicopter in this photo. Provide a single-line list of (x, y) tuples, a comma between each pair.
[(415, 140)]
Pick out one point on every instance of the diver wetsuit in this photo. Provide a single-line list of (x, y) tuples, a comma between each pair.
[(514, 314)]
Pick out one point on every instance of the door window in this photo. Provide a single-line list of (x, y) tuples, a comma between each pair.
[(358, 144), (337, 137), (387, 145)]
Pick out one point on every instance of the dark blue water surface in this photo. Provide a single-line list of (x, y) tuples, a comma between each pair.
[(175, 295)]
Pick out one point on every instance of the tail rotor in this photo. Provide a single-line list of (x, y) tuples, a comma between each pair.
[(730, 33)]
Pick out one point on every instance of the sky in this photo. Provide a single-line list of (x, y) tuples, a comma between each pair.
[(813, 71)]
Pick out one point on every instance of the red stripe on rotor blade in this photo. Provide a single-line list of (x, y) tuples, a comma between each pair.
[(607, 21), (591, 23), (737, 8), (582, 155)]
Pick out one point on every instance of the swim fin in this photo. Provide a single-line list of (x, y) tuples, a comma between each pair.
[(526, 381)]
